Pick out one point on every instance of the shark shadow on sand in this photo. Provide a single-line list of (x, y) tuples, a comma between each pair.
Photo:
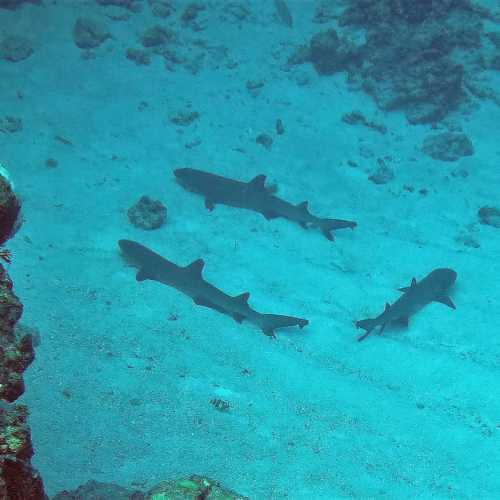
[(433, 288), (254, 196), (189, 280)]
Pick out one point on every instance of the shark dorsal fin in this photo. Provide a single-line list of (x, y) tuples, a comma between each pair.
[(143, 274), (196, 267), (387, 306), (303, 206), (259, 182), (242, 298), (405, 289)]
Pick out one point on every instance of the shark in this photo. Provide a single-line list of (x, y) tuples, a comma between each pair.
[(189, 280), (254, 195), (432, 288)]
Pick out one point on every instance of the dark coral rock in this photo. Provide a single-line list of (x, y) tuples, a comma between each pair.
[(155, 36), (15, 48), (18, 480), (94, 490), (325, 12), (383, 174), (89, 33), (128, 4), (265, 140), (147, 213), (254, 87), (411, 53), (140, 57), (191, 12), (10, 208), (14, 4), (329, 53), (357, 118), (283, 13), (195, 487), (161, 8), (11, 124), (184, 118), (448, 146), (489, 216), (16, 348)]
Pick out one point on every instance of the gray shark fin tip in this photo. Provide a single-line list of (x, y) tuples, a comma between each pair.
[(196, 267), (408, 288), (258, 182), (243, 297), (142, 274)]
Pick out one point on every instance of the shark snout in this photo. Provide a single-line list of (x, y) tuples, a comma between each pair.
[(446, 276)]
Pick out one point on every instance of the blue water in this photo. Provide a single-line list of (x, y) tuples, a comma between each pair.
[(121, 386)]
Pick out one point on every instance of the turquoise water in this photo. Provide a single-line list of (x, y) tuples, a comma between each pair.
[(125, 373)]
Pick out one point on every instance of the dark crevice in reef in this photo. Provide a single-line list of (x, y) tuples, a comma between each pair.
[(18, 479)]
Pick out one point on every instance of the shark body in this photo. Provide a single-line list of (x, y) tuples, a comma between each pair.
[(433, 288), (254, 196), (189, 280)]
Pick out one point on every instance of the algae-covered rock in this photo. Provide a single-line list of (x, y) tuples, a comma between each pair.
[(10, 207), (195, 487)]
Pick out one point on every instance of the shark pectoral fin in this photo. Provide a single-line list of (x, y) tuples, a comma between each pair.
[(446, 301), (143, 274), (258, 183), (238, 317), (270, 215), (196, 267), (209, 204), (327, 233), (242, 298)]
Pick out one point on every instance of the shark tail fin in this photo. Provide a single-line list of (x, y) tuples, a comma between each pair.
[(368, 325), (271, 322), (328, 225)]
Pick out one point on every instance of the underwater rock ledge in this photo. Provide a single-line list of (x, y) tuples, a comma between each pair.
[(18, 479)]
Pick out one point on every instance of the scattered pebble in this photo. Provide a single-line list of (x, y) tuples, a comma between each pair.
[(15, 48), (489, 216), (280, 129), (265, 140), (383, 174), (11, 124), (184, 118)]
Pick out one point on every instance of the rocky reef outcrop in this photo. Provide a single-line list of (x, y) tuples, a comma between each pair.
[(412, 56), (18, 479), (193, 487)]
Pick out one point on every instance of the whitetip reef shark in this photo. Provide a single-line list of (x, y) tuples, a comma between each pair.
[(254, 195), (189, 280), (433, 288)]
